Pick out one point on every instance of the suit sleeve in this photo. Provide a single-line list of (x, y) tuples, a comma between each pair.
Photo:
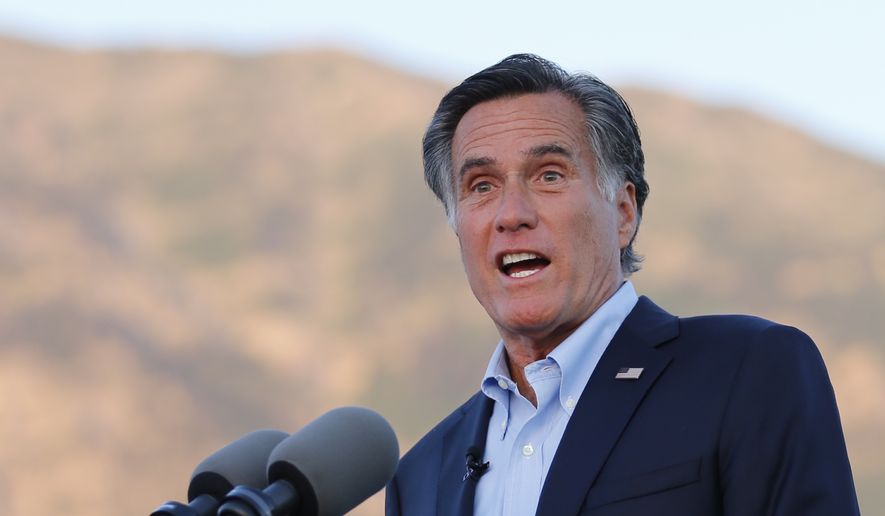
[(782, 451), (391, 499)]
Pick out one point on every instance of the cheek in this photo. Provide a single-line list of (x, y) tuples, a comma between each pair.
[(472, 251), (594, 238)]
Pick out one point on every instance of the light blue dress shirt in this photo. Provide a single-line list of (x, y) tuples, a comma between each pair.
[(522, 439)]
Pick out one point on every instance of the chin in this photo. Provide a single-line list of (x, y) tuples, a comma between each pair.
[(526, 321)]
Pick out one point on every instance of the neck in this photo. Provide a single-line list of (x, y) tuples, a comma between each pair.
[(525, 348), (517, 358)]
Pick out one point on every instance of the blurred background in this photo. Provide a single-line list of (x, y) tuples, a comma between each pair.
[(213, 217)]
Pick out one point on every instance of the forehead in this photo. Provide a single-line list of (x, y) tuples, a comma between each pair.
[(519, 123)]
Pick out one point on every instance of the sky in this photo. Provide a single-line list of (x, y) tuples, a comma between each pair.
[(817, 65)]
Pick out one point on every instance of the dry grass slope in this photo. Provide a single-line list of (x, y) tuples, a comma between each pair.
[(194, 245)]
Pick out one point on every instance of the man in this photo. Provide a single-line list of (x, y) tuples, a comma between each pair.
[(596, 401)]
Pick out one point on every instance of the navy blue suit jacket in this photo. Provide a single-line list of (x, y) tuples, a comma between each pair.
[(732, 415)]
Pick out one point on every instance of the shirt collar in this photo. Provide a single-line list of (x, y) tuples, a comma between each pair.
[(576, 356), (497, 376)]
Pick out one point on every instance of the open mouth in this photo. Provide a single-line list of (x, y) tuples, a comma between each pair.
[(522, 265)]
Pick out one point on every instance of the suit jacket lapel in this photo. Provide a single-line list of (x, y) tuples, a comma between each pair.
[(606, 407), (455, 495)]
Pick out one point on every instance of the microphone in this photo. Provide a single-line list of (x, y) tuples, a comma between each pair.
[(325, 469), (475, 468), (242, 462)]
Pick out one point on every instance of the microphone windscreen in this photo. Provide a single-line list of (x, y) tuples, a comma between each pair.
[(337, 461), (242, 462)]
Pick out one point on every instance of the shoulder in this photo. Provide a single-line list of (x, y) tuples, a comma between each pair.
[(742, 352), (709, 334), (748, 337), (413, 489), (726, 326), (765, 367)]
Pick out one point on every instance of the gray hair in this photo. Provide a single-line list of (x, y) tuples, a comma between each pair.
[(611, 129)]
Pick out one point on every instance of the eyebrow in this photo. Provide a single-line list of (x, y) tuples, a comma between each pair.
[(550, 148), (474, 163), (535, 152)]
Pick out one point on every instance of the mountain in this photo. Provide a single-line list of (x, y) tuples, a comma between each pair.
[(194, 245)]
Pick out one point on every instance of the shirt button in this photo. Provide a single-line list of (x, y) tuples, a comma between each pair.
[(502, 383), (528, 450), (570, 402), (503, 425)]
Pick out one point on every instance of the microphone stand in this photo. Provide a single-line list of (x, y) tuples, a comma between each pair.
[(278, 499), (203, 505)]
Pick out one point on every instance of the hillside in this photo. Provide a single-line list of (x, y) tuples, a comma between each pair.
[(194, 245)]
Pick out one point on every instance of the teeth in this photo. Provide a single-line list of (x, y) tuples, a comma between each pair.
[(524, 274), (518, 257)]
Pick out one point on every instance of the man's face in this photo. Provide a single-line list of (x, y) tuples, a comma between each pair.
[(539, 241)]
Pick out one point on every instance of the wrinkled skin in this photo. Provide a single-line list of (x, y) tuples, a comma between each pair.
[(526, 182)]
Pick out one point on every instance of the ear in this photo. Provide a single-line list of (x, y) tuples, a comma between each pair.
[(628, 213)]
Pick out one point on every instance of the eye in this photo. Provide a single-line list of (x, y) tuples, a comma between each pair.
[(481, 187), (550, 176)]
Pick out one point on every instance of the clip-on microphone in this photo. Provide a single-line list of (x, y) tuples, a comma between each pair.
[(475, 468)]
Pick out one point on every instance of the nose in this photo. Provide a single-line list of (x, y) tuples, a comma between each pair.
[(516, 209)]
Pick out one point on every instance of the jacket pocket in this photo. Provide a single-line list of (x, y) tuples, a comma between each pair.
[(617, 489)]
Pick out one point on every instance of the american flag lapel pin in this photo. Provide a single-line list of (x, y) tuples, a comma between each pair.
[(628, 373)]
